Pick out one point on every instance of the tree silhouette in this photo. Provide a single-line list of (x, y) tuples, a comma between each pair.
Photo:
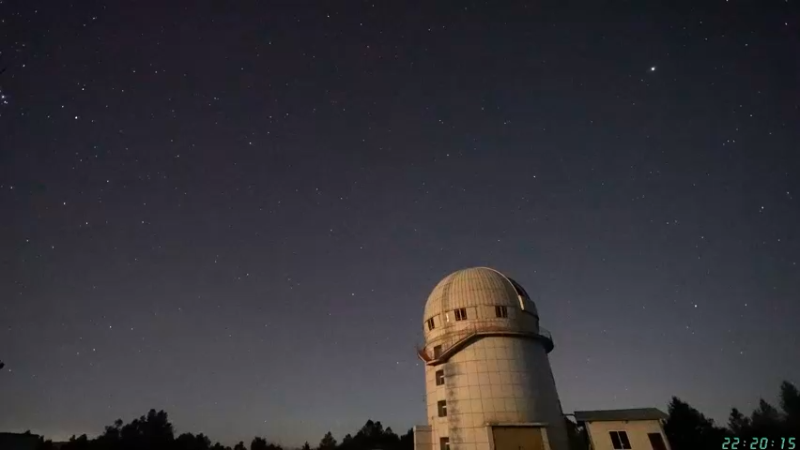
[(79, 443), (45, 444), (687, 428), (407, 440), (258, 443), (739, 424), (188, 441), (790, 404), (347, 442), (328, 442), (766, 420)]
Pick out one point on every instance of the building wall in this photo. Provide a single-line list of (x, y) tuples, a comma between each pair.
[(422, 438), (494, 380), (637, 431)]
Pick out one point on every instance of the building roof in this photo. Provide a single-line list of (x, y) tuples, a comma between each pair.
[(476, 286), (620, 414)]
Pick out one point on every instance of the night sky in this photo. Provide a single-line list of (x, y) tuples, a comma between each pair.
[(235, 211)]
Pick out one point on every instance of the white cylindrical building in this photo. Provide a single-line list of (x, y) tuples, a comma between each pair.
[(488, 380)]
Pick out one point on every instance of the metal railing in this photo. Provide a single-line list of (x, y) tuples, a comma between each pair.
[(467, 334)]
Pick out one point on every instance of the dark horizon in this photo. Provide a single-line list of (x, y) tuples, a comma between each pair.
[(235, 212)]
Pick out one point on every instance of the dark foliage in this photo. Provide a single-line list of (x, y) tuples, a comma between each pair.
[(259, 443), (328, 442), (155, 432), (688, 429)]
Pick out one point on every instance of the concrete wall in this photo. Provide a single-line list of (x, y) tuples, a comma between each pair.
[(494, 380), (637, 431), (422, 438)]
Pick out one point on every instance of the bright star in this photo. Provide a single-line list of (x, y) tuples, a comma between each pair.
[(653, 69)]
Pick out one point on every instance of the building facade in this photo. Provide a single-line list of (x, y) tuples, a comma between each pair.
[(488, 380), (623, 429)]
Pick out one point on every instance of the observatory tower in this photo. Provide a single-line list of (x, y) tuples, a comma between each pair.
[(488, 380)]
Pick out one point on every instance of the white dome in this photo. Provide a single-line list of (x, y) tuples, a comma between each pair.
[(477, 286)]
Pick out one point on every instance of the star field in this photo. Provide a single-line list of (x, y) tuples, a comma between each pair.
[(235, 211)]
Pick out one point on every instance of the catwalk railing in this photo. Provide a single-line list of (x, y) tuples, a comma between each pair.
[(467, 335)]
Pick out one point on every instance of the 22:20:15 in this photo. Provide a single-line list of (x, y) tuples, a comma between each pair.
[(756, 443)]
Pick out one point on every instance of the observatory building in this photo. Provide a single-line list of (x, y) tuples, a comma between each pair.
[(488, 380)]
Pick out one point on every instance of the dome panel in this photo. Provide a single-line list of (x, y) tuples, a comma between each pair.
[(476, 286)]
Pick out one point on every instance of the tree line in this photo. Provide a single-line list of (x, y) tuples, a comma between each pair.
[(686, 429), (154, 432)]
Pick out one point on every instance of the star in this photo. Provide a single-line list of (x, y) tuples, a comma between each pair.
[(652, 68)]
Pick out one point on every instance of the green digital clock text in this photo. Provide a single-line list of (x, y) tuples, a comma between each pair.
[(735, 443)]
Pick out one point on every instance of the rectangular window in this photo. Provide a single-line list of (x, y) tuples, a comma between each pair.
[(439, 377), (501, 311), (623, 436), (619, 440), (437, 351), (431, 324), (443, 408), (461, 314), (444, 443), (656, 441)]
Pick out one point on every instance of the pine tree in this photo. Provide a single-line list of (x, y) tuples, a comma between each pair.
[(738, 423), (328, 442), (790, 404)]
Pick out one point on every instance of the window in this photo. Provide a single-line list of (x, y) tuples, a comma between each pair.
[(501, 311), (619, 439), (444, 443), (431, 324), (443, 408), (461, 314), (437, 351), (439, 377), (656, 441)]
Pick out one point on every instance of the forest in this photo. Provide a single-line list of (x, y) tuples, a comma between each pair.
[(686, 429)]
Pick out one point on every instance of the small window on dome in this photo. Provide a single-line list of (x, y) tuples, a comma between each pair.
[(431, 324), (501, 311), (461, 314)]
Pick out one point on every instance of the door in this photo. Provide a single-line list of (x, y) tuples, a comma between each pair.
[(517, 438), (657, 441)]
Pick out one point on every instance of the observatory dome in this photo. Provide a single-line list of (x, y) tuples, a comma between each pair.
[(477, 286), (487, 373)]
